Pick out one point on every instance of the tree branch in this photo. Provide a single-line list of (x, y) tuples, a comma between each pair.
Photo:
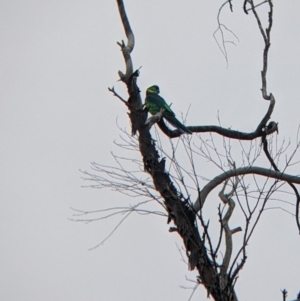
[(241, 171), (126, 49), (266, 36), (225, 132), (290, 183), (112, 90)]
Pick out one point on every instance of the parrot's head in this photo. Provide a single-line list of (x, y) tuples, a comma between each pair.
[(153, 90)]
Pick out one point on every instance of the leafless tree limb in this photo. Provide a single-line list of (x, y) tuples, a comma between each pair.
[(272, 126), (266, 36), (112, 90), (126, 49), (222, 46), (246, 10), (242, 171)]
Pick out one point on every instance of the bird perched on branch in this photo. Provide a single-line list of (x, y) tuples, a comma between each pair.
[(154, 103)]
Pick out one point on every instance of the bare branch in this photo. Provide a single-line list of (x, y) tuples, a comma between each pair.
[(126, 49), (225, 132), (290, 183), (242, 171), (266, 36), (222, 46), (112, 90), (257, 5)]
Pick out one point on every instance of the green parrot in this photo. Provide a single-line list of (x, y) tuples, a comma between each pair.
[(154, 103)]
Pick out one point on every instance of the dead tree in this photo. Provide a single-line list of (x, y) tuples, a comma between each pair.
[(172, 192)]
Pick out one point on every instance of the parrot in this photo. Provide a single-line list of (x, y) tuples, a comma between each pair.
[(154, 103)]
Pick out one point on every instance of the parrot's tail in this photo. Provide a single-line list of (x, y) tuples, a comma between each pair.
[(177, 124)]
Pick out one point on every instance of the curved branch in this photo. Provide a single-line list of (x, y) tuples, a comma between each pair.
[(226, 199), (291, 184), (134, 103), (241, 171), (126, 50), (225, 132)]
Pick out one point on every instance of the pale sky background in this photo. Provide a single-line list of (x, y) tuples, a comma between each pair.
[(57, 59)]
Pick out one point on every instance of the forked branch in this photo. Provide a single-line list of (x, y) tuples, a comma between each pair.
[(126, 49)]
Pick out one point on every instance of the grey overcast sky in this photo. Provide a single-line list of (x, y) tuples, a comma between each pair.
[(57, 59)]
